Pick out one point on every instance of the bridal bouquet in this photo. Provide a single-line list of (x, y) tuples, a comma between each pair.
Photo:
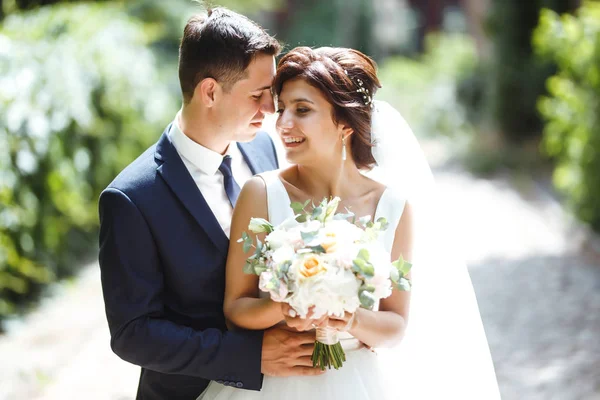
[(320, 260)]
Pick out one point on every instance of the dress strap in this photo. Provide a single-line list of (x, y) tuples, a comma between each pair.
[(391, 206), (278, 200)]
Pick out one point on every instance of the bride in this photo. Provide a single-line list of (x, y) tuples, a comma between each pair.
[(334, 134)]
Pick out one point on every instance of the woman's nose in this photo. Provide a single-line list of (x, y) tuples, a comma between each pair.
[(284, 122)]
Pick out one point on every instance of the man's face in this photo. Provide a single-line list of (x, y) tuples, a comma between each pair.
[(243, 107)]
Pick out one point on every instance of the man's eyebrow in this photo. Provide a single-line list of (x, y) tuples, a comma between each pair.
[(262, 88)]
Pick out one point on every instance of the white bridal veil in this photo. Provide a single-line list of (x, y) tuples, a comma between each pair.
[(445, 353)]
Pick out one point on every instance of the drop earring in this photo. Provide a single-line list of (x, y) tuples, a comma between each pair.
[(343, 148)]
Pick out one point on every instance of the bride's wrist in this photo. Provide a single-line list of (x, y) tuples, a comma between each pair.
[(355, 323)]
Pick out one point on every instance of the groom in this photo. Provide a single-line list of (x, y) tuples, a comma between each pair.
[(164, 224)]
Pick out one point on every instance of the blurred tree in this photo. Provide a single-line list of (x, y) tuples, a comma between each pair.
[(431, 15), (516, 77), (83, 91), (243, 6), (475, 11), (8, 6), (81, 96), (572, 108), (346, 23), (29, 4), (247, 6)]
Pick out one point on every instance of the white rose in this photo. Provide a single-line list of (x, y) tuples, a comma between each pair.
[(331, 293), (260, 225), (337, 235), (276, 239), (283, 253)]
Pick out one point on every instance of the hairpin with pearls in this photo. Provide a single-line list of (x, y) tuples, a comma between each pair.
[(366, 95)]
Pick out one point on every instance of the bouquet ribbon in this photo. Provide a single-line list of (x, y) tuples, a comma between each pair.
[(328, 350), (328, 336)]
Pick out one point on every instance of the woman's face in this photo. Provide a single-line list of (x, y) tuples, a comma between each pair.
[(305, 125)]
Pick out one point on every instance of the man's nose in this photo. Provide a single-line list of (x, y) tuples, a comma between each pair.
[(268, 104)]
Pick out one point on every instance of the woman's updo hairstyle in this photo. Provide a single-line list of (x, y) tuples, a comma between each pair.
[(348, 80)]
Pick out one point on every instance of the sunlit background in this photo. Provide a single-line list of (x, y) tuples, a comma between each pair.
[(504, 96)]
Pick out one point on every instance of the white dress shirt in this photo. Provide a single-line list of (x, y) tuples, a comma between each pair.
[(203, 165)]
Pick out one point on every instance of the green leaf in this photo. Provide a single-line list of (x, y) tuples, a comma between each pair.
[(363, 254), (248, 268), (259, 246), (298, 207), (402, 266), (368, 288), (403, 284), (363, 267), (318, 249), (247, 246), (359, 263), (285, 267), (259, 269), (367, 300), (383, 224), (368, 271), (340, 216), (302, 218), (316, 212), (309, 236)]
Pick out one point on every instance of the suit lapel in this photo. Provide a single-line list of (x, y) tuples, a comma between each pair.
[(176, 175), (253, 158)]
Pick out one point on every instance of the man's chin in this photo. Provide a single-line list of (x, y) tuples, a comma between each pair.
[(247, 136)]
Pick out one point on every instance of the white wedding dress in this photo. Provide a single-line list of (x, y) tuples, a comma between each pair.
[(361, 377), (444, 354)]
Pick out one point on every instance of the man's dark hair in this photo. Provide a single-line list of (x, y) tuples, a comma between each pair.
[(220, 45)]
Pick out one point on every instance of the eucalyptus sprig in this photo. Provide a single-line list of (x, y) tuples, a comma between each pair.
[(399, 273)]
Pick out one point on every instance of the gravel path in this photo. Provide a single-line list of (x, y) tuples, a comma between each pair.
[(538, 288), (538, 292)]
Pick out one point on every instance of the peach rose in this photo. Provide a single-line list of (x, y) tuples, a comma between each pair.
[(311, 266), (330, 243)]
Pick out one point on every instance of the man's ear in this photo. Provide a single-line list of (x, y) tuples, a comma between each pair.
[(208, 91)]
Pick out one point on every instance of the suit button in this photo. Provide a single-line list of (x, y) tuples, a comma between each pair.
[(239, 384), (226, 383), (219, 381)]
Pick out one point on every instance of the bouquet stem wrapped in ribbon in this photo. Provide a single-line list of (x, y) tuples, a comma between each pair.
[(321, 261), (328, 351)]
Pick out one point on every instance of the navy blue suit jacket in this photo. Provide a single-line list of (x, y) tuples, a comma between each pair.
[(162, 260)]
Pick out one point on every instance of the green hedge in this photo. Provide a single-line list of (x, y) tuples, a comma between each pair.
[(572, 109), (81, 96), (424, 89), (501, 94)]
